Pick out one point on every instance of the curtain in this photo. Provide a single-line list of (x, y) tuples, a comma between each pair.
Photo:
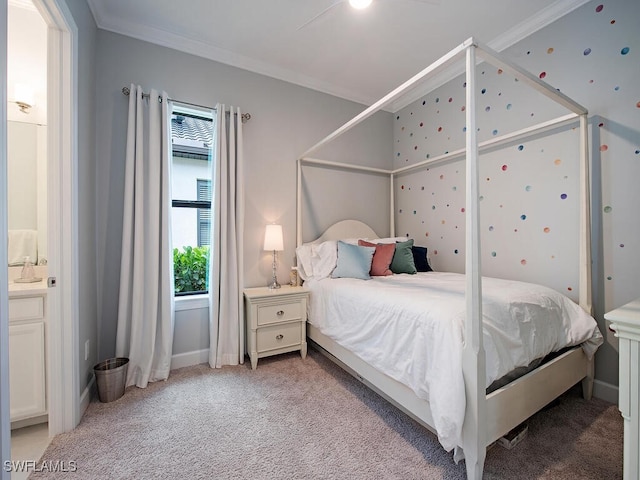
[(226, 326), (145, 308)]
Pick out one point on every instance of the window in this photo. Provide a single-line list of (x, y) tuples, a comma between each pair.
[(192, 138)]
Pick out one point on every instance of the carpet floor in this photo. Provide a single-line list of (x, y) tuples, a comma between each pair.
[(308, 419)]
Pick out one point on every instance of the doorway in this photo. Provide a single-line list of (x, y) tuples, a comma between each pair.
[(62, 300)]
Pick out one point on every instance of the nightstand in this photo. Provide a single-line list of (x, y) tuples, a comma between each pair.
[(276, 321)]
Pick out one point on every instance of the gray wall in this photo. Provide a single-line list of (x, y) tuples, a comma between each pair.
[(88, 328), (286, 120)]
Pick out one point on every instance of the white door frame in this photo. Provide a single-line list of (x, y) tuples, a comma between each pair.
[(63, 391), (5, 423)]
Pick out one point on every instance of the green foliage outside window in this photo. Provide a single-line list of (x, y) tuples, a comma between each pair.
[(190, 269)]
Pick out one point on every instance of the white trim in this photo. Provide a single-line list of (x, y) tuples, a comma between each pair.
[(605, 391), (187, 359), (5, 422), (192, 302), (63, 309), (168, 39), (87, 395)]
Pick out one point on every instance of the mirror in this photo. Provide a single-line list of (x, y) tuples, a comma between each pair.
[(27, 192)]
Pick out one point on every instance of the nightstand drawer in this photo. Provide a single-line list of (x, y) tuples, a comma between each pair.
[(279, 313), (278, 336)]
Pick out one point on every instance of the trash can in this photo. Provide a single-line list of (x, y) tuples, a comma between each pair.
[(111, 378)]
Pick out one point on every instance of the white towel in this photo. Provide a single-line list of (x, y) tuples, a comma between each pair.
[(22, 243)]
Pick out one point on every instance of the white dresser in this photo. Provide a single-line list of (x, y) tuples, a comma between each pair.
[(27, 362), (625, 321)]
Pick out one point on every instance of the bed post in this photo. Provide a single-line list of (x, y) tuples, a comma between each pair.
[(392, 223), (585, 218), (473, 355), (299, 202)]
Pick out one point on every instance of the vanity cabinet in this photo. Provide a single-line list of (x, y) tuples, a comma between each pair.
[(27, 373)]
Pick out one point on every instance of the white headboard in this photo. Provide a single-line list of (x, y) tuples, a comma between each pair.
[(346, 229)]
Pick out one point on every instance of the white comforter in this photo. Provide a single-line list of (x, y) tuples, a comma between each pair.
[(411, 327)]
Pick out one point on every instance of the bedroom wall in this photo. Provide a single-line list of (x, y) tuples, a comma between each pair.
[(286, 120), (529, 206)]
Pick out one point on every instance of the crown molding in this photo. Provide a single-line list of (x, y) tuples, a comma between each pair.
[(510, 37), (196, 47)]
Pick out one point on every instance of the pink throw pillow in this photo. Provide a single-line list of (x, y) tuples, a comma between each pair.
[(381, 257)]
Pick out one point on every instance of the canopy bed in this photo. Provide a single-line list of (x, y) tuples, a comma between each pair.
[(483, 417)]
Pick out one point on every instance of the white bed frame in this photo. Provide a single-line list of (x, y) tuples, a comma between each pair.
[(487, 417)]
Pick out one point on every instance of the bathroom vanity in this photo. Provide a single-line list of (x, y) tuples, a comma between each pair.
[(27, 360)]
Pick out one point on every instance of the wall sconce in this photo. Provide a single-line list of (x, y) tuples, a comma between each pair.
[(23, 94), (273, 241)]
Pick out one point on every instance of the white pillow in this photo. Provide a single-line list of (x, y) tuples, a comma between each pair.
[(388, 240), (317, 261)]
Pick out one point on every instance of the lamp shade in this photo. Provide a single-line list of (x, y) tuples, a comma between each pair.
[(273, 238)]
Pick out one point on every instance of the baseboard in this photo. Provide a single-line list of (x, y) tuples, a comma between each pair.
[(87, 394), (605, 391), (189, 358)]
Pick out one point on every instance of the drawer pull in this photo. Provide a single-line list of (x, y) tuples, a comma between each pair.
[(279, 337), (280, 313)]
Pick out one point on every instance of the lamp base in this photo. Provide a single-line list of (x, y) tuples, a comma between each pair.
[(274, 278)]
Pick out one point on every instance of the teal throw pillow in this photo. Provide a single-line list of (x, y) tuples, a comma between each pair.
[(403, 258)]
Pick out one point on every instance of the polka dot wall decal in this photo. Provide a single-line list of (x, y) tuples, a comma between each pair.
[(435, 252), (622, 245), (599, 8), (638, 104), (504, 168), (437, 100), (462, 210), (550, 50), (499, 71), (455, 251), (491, 228), (414, 212), (424, 102), (607, 209), (487, 108), (495, 132), (508, 106), (422, 124), (624, 51), (616, 88), (483, 91), (609, 277), (586, 52), (557, 161), (601, 124), (450, 99), (637, 152), (523, 262), (433, 207), (520, 147), (546, 230), (401, 187), (542, 74), (439, 129), (441, 177), (523, 217), (527, 188), (563, 196), (570, 289), (604, 148), (463, 108)]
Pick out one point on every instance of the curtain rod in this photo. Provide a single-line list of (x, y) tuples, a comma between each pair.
[(245, 116)]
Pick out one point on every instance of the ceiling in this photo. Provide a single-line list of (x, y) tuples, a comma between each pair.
[(359, 55)]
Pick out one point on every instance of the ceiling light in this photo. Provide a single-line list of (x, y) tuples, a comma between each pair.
[(360, 4)]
